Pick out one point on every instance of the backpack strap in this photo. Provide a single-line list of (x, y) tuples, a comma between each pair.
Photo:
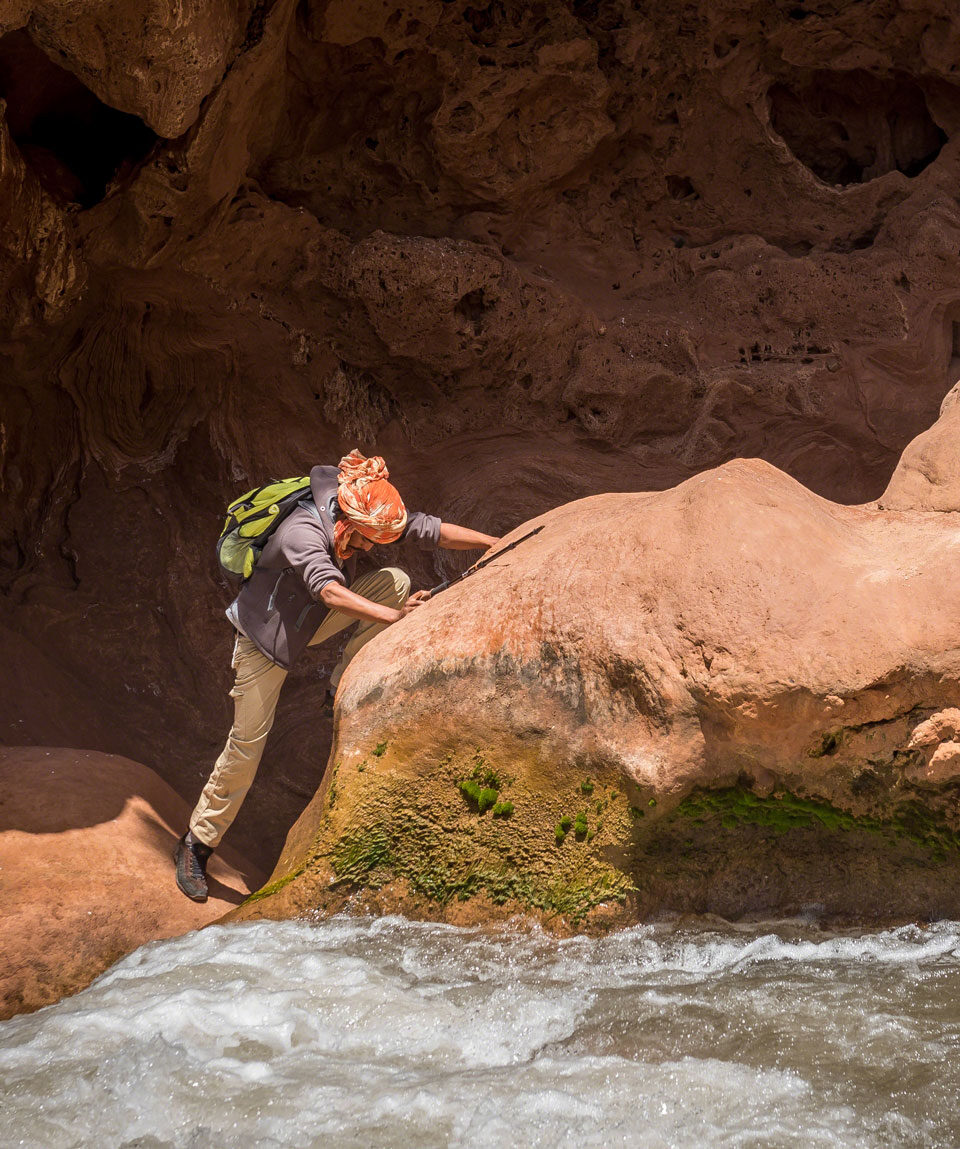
[(309, 505)]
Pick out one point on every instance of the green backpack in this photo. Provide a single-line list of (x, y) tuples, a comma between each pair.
[(251, 520)]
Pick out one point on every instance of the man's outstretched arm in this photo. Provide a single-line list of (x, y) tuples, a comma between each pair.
[(335, 596), (454, 538)]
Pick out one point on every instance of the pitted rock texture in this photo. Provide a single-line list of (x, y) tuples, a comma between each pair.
[(529, 252), (157, 61), (731, 697)]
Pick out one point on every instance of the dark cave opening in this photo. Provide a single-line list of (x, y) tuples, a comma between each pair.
[(850, 127), (75, 144)]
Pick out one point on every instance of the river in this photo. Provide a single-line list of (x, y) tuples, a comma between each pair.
[(386, 1032)]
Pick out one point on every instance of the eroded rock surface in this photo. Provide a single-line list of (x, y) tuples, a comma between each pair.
[(733, 696), (529, 252), (86, 871)]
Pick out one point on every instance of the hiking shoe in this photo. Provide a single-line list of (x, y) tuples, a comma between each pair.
[(191, 858), (326, 706)]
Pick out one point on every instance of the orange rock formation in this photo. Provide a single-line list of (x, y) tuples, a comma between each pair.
[(530, 252), (742, 697), (86, 842)]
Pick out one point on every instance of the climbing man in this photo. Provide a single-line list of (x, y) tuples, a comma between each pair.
[(301, 592)]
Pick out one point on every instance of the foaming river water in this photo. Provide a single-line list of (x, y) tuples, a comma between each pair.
[(359, 1032)]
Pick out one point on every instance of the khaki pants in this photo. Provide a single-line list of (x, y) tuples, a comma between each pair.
[(255, 695)]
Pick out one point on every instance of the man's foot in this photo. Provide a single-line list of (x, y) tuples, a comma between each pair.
[(326, 706), (191, 858)]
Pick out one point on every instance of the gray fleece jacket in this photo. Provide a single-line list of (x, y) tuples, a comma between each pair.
[(278, 607)]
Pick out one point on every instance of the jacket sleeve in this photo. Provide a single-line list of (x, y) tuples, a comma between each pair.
[(307, 550), (424, 530)]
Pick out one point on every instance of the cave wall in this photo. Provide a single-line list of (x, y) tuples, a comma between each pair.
[(526, 251)]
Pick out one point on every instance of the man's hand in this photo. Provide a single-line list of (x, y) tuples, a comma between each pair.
[(415, 600), (338, 597)]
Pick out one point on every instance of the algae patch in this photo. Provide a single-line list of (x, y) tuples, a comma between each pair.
[(482, 797), (416, 850), (736, 806), (482, 789), (447, 849), (274, 887)]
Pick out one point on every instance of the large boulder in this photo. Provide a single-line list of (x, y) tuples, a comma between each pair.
[(733, 696), (86, 870)]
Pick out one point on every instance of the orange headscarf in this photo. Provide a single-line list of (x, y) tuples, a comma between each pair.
[(369, 503)]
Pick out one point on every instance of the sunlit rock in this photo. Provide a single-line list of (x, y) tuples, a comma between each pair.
[(733, 696), (86, 871)]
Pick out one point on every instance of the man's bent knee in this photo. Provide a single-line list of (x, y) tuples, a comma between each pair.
[(401, 583)]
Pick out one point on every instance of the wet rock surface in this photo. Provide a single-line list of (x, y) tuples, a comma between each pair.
[(530, 253)]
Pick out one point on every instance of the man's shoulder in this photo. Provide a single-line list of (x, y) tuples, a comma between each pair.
[(300, 533), (302, 521)]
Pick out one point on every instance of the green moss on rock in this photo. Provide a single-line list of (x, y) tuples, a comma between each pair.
[(737, 806), (471, 791), (717, 851), (784, 811), (413, 848), (486, 776), (487, 799), (426, 830), (274, 887)]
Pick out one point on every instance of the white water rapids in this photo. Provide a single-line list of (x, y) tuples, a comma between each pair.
[(359, 1032)]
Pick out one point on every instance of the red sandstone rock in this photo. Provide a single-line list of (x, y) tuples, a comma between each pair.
[(939, 739), (530, 252), (158, 62), (737, 637), (41, 271), (86, 870)]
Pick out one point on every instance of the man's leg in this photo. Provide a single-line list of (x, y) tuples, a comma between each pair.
[(388, 586), (255, 695)]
